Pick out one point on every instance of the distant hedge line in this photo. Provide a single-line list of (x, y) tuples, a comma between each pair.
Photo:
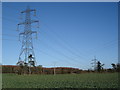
[(43, 70), (38, 70)]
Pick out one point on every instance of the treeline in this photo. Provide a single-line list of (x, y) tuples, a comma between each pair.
[(38, 70), (57, 70), (99, 67)]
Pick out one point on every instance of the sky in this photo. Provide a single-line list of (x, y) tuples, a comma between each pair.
[(70, 34)]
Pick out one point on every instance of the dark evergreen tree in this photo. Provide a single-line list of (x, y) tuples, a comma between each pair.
[(99, 66), (114, 66)]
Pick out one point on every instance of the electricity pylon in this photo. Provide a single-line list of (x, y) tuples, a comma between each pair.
[(94, 63), (27, 55)]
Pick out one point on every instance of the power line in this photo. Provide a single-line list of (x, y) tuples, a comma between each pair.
[(45, 44), (65, 55), (40, 51), (11, 20), (107, 43), (101, 48), (77, 55), (61, 39), (58, 59), (8, 39), (60, 53), (66, 47), (8, 35)]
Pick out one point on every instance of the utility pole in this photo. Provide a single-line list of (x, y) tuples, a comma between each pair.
[(27, 55), (54, 68), (94, 62)]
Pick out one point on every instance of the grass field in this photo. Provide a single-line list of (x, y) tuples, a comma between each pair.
[(88, 80)]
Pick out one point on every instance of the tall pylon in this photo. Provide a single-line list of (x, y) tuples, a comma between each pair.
[(27, 55)]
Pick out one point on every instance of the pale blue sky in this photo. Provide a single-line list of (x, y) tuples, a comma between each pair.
[(70, 34)]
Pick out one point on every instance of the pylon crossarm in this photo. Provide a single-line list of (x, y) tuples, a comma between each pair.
[(34, 21), (34, 31), (28, 10), (22, 33), (21, 23), (26, 22)]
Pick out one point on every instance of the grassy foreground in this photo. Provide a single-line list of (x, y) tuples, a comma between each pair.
[(86, 80)]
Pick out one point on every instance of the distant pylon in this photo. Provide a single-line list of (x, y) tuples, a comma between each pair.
[(27, 55), (94, 63)]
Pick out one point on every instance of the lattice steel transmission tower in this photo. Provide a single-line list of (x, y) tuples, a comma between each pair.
[(27, 55), (94, 63)]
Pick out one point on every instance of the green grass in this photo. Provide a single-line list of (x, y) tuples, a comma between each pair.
[(88, 80)]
